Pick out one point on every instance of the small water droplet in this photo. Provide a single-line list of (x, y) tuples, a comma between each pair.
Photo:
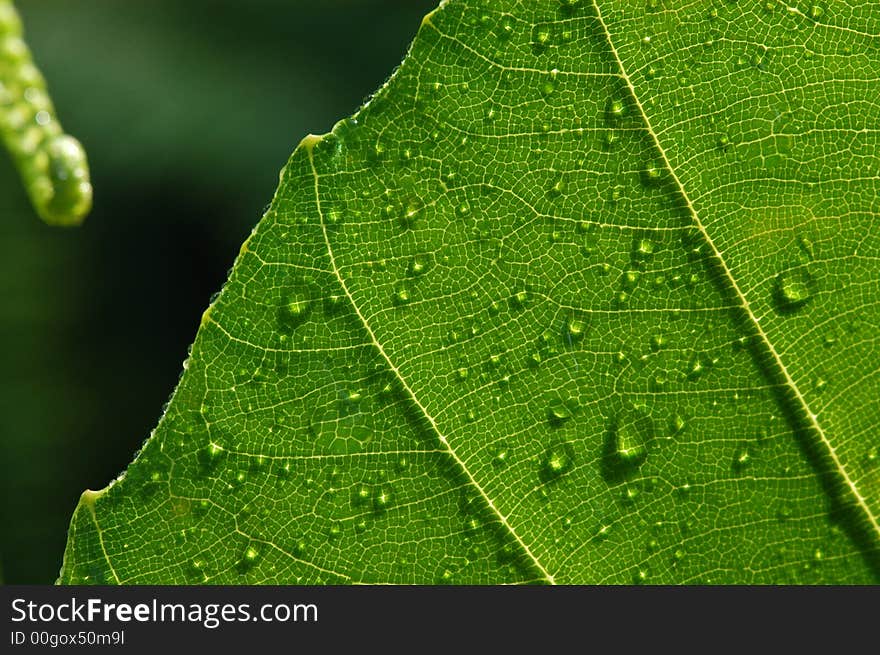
[(560, 411), (652, 175), (556, 189), (249, 558), (575, 328), (549, 85), (742, 458), (643, 248), (676, 424), (401, 295), (615, 108), (382, 499), (603, 532), (418, 265), (698, 364), (557, 461), (520, 299)]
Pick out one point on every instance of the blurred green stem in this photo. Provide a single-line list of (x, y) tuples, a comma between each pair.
[(53, 165)]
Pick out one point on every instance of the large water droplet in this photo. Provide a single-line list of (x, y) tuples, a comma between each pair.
[(294, 310), (627, 445), (793, 289)]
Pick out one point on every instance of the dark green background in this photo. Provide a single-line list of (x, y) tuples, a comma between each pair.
[(188, 111)]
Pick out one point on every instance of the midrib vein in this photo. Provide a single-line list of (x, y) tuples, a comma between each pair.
[(309, 144), (811, 417)]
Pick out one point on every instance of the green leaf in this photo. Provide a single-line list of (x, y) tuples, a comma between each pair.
[(587, 293)]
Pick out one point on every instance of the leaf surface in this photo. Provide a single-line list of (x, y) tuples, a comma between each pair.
[(586, 293)]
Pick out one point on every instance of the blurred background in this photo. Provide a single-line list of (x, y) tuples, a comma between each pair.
[(188, 111)]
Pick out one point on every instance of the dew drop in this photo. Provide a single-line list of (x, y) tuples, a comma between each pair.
[(630, 433), (382, 499), (556, 189), (520, 299), (676, 424), (249, 558), (793, 289), (506, 27), (698, 364), (401, 295), (652, 175), (418, 265), (643, 248), (615, 108), (742, 458), (541, 37), (294, 310), (603, 532), (575, 328), (557, 461), (560, 411)]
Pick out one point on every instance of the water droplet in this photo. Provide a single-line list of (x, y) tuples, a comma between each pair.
[(464, 209), (793, 289), (651, 175), (362, 494), (575, 328), (520, 299), (506, 27), (698, 364), (556, 189), (657, 341), (249, 558), (560, 411), (549, 85), (742, 458), (500, 457), (294, 310), (630, 433), (631, 279), (643, 248), (418, 265), (382, 499), (401, 294), (462, 373), (816, 12), (541, 37), (557, 461), (676, 423), (615, 108), (603, 532), (630, 494)]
